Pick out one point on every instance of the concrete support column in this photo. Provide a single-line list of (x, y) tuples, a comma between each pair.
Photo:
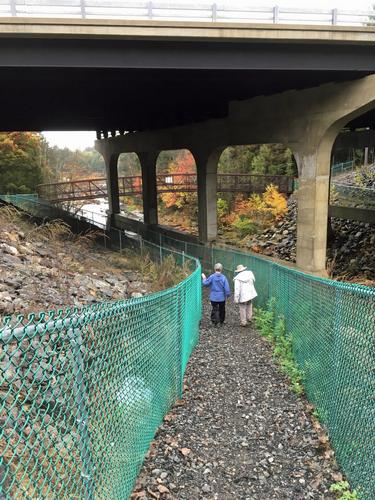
[(112, 186), (149, 187), (207, 194), (313, 200)]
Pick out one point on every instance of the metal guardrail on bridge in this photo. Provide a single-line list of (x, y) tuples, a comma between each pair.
[(194, 11)]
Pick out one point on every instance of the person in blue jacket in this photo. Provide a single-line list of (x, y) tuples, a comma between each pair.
[(219, 292)]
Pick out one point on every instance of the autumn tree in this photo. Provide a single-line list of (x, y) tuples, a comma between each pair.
[(257, 212), (129, 164), (71, 165), (180, 164)]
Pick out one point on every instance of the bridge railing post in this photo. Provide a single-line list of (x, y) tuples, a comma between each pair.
[(83, 9), (149, 10), (214, 12), (276, 11), (334, 17), (13, 8)]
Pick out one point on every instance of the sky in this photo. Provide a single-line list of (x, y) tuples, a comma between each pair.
[(82, 140), (71, 140)]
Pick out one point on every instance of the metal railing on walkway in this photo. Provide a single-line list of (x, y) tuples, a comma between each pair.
[(228, 12), (89, 189), (348, 195), (331, 326), (340, 168)]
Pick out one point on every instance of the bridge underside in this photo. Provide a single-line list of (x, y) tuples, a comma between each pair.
[(140, 99), (307, 120), (66, 75)]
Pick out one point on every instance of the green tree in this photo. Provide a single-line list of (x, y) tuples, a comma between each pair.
[(272, 159), (22, 164), (64, 164), (129, 164)]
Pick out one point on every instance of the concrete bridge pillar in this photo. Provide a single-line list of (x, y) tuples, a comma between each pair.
[(112, 186), (149, 187), (206, 164), (312, 218)]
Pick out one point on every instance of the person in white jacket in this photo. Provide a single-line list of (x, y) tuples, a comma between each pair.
[(244, 293)]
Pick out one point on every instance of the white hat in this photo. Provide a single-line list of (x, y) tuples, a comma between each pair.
[(240, 268)]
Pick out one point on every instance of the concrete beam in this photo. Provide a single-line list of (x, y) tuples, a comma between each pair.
[(289, 118), (183, 30)]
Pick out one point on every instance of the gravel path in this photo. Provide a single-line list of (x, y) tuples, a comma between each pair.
[(239, 432)]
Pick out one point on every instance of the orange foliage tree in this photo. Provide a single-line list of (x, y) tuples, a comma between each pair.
[(257, 212), (183, 165)]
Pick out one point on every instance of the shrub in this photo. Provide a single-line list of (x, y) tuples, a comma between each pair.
[(245, 226), (222, 207), (282, 344), (257, 212)]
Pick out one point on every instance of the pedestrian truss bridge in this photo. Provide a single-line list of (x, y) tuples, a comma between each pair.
[(88, 189)]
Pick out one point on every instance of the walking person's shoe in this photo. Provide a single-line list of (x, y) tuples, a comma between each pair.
[(243, 324)]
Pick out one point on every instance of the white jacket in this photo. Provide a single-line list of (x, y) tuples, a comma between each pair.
[(244, 288)]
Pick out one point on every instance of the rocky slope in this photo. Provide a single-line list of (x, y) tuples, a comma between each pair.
[(364, 177), (43, 268), (350, 248)]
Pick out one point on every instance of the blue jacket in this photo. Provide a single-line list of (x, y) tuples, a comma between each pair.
[(219, 286)]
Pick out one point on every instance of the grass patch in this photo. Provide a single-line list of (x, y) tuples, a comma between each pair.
[(11, 215), (53, 231), (162, 275), (342, 490), (274, 331)]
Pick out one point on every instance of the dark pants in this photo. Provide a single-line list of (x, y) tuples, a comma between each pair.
[(218, 312)]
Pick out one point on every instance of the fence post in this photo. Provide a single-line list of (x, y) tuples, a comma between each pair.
[(83, 9), (276, 14), (80, 395), (160, 250), (214, 12), (120, 240), (334, 17), (13, 8)]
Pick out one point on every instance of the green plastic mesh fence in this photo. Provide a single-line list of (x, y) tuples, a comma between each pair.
[(332, 327), (83, 391)]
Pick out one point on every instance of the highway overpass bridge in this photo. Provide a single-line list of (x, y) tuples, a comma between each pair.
[(148, 86)]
